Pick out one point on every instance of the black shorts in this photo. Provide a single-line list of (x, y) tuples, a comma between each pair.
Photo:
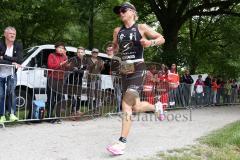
[(136, 79)]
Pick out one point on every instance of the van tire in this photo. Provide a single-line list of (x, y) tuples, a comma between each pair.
[(23, 99)]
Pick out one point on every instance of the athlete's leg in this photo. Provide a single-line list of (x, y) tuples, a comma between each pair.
[(146, 106), (143, 106), (129, 99)]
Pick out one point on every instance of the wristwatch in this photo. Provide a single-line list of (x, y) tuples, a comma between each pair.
[(153, 43)]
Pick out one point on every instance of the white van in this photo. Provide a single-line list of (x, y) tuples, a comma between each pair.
[(31, 82)]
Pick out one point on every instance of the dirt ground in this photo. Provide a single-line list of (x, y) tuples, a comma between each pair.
[(84, 140)]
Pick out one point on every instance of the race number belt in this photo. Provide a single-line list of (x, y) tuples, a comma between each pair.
[(128, 67)]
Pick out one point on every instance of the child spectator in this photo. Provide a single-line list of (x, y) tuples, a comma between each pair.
[(149, 84), (198, 88), (163, 86)]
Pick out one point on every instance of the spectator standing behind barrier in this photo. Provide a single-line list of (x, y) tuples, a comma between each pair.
[(208, 89), (220, 90), (162, 86), (173, 79), (94, 66), (162, 69), (107, 62), (198, 88), (114, 71), (75, 78), (227, 92), (57, 64), (187, 82), (234, 91), (149, 84), (214, 91), (10, 54)]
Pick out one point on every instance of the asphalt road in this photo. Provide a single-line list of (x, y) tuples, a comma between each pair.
[(84, 140)]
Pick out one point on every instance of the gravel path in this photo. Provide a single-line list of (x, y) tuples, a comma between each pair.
[(87, 139)]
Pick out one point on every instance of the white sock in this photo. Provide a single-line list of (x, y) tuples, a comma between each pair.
[(159, 107)]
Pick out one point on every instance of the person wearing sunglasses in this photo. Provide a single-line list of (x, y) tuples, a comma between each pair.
[(129, 42)]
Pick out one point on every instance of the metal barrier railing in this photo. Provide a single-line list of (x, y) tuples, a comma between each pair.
[(187, 95), (69, 94), (45, 94), (49, 94)]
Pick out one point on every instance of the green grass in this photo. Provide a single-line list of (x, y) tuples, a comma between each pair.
[(229, 135), (222, 144)]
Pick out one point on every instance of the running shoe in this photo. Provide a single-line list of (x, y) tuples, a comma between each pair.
[(117, 148), (159, 111)]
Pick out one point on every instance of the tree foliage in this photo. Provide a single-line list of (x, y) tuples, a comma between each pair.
[(37, 22), (200, 34), (173, 14)]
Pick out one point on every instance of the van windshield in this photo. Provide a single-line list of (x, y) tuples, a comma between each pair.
[(27, 52)]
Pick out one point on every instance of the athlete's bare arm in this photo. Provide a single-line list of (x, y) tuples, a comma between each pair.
[(115, 41), (149, 36)]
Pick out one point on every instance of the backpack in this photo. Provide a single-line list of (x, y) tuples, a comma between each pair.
[(38, 109)]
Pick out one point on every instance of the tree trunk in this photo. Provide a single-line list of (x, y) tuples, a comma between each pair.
[(90, 25), (192, 65), (22, 30), (170, 52), (192, 68)]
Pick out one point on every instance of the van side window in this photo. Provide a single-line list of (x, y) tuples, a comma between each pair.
[(38, 59), (32, 62), (41, 58), (44, 57)]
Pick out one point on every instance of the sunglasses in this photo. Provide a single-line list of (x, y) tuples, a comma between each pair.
[(123, 10)]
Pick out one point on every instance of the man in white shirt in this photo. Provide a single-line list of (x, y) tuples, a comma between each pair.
[(10, 59)]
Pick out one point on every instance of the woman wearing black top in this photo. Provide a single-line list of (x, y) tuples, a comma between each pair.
[(130, 41)]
